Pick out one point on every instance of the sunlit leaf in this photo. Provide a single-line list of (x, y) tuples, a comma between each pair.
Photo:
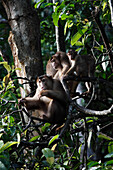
[(7, 145), (6, 65), (79, 43), (101, 135), (104, 5), (6, 80), (65, 28), (78, 35), (54, 146), (53, 139), (40, 1), (34, 138), (79, 151), (55, 17)]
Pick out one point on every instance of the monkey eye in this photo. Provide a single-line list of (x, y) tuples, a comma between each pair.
[(39, 80), (43, 80)]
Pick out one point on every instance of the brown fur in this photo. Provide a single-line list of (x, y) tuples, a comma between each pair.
[(82, 65), (50, 100)]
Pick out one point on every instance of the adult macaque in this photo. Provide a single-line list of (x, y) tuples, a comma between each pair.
[(60, 62), (50, 100), (82, 65)]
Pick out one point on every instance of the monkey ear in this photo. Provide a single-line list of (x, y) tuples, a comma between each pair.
[(37, 79)]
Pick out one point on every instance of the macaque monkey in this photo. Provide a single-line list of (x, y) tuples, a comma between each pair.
[(50, 100), (49, 69), (60, 62), (81, 65)]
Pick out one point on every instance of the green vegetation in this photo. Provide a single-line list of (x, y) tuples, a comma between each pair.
[(87, 141)]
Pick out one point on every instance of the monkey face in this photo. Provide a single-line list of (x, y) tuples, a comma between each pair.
[(44, 82), (71, 54), (55, 62)]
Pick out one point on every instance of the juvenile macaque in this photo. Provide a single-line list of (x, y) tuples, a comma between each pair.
[(50, 100), (82, 65), (60, 62), (49, 69)]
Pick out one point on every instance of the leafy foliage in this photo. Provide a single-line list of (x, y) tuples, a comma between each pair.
[(48, 149)]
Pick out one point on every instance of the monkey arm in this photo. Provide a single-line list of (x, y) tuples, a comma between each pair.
[(56, 76), (56, 95), (31, 103), (64, 70), (71, 70)]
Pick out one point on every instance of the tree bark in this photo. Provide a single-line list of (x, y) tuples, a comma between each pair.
[(25, 26), (24, 40)]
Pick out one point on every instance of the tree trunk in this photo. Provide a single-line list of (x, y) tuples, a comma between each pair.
[(25, 26), (24, 40)]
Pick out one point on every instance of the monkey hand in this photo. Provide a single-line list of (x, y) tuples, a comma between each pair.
[(22, 101), (43, 93)]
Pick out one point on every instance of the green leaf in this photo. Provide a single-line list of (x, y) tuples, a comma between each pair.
[(6, 80), (34, 138), (1, 143), (53, 139), (46, 125), (110, 147), (78, 35), (92, 164), (6, 65), (50, 160), (48, 153), (104, 4), (65, 28), (55, 17), (110, 76), (40, 1), (109, 162), (2, 166), (64, 16), (7, 145), (100, 48), (101, 135), (79, 43), (110, 155)]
